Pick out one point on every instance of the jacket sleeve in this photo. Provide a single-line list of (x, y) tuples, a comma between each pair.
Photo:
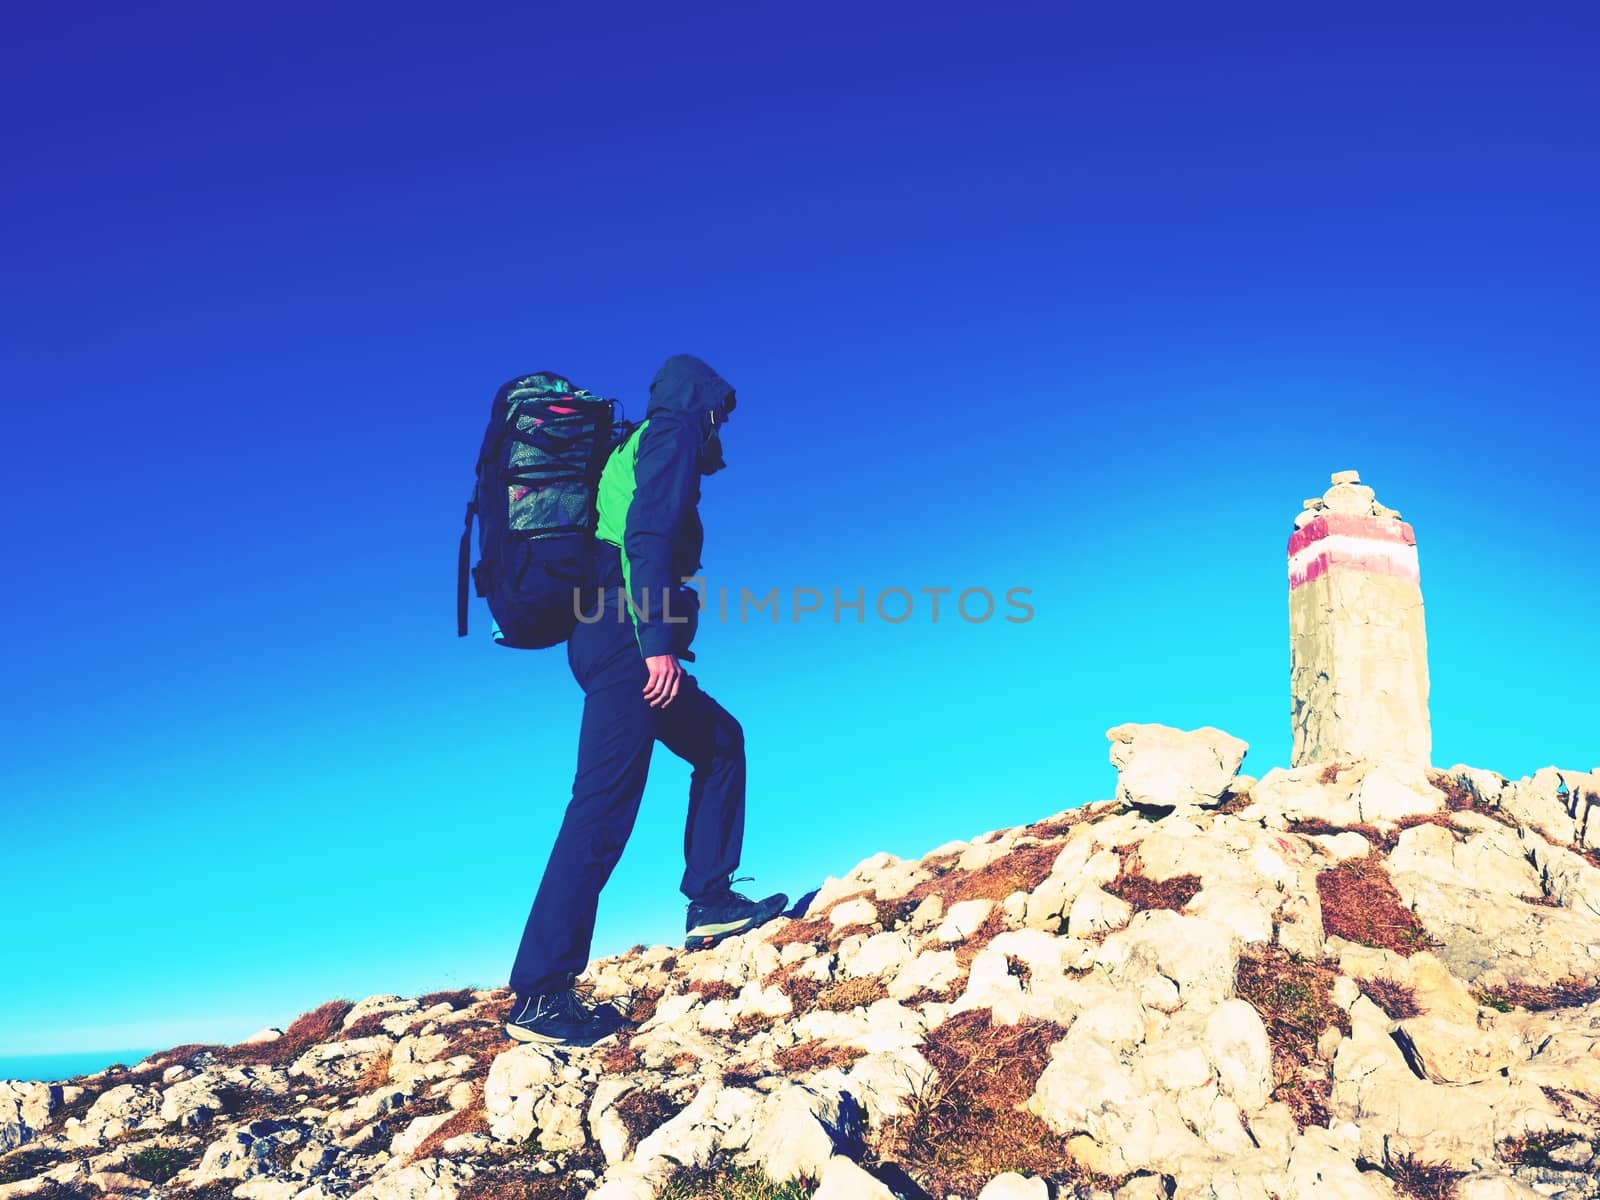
[(666, 486)]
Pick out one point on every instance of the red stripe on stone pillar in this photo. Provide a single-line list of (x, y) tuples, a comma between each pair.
[(1353, 526)]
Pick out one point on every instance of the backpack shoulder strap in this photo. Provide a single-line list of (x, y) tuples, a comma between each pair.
[(463, 561)]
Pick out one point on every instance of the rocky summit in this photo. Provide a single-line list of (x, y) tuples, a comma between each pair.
[(1342, 980)]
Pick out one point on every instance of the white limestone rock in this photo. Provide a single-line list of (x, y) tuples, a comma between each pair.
[(1344, 794), (25, 1108), (330, 1063), (1322, 1169), (963, 920), (382, 1006), (1159, 765), (606, 1126), (518, 1081), (410, 1139), (844, 1179), (430, 1179), (1012, 1186), (931, 971), (117, 1111), (885, 1082), (1394, 1112), (1095, 910), (194, 1101), (1238, 1051), (1200, 956), (883, 954), (859, 911), (793, 1137), (1493, 1185), (691, 1137)]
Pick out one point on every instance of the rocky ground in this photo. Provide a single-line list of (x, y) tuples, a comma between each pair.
[(1343, 981)]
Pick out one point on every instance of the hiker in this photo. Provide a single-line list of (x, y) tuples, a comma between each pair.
[(626, 654)]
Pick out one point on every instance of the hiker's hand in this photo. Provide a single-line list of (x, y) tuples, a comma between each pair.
[(665, 677)]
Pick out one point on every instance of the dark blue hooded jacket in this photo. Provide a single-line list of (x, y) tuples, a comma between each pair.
[(649, 496)]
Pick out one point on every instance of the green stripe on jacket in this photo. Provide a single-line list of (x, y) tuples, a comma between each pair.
[(612, 500)]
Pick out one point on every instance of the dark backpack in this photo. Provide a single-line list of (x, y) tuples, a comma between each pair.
[(538, 467)]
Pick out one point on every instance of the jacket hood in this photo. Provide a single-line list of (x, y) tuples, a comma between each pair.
[(688, 385)]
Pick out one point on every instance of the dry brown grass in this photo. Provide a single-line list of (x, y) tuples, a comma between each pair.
[(471, 1119), (1574, 1105), (1295, 1000), (1022, 869), (815, 932), (1359, 904), (852, 993), (513, 1180), (1571, 992), (970, 1125), (1140, 892), (1396, 999), (820, 931), (377, 1072), (644, 1110), (368, 1026), (1231, 803), (181, 1054), (749, 1025), (621, 1059), (993, 925), (1383, 839), (1442, 819), (802, 990), (743, 1075), (948, 994), (712, 989), (806, 1057), (641, 1006), (482, 1038), (457, 999), (1458, 796), (895, 912), (322, 1024), (726, 1180), (1331, 772), (1317, 826), (19, 1164), (1057, 826), (1533, 1149), (1420, 1180)]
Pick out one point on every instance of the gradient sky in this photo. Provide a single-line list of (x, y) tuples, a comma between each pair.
[(1079, 298)]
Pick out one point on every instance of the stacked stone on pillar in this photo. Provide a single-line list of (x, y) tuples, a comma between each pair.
[(1357, 643)]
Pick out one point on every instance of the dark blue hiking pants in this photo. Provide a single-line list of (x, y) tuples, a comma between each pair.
[(619, 731)]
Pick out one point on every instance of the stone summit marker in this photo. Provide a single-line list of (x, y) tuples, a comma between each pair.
[(1358, 650)]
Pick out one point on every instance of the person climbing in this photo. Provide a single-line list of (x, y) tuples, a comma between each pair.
[(626, 654)]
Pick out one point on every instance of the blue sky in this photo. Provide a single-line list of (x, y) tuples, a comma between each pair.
[(1077, 298)]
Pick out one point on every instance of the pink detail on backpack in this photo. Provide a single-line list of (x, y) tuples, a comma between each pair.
[(517, 493), (566, 412)]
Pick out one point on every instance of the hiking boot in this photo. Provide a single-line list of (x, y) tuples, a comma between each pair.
[(726, 914), (559, 1019)]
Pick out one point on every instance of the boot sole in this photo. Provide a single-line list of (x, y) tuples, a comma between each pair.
[(703, 937), (528, 1037), (517, 1033)]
